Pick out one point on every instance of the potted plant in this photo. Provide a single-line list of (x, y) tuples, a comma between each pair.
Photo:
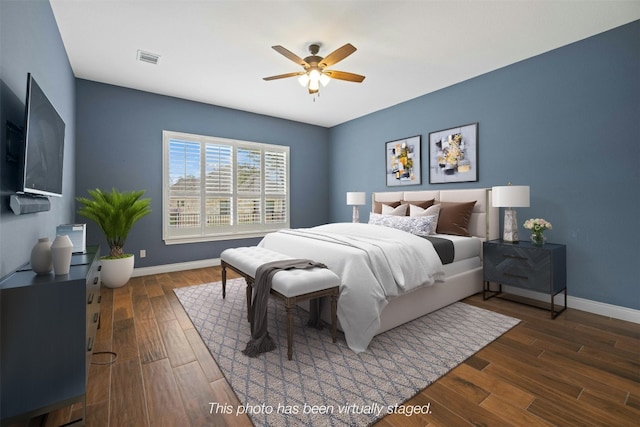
[(115, 213)]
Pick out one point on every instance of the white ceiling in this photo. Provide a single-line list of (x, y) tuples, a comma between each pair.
[(218, 51)]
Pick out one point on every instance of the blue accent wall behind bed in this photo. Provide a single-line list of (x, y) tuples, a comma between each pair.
[(566, 123)]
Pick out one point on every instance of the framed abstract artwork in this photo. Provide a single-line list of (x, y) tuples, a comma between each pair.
[(402, 159), (453, 155)]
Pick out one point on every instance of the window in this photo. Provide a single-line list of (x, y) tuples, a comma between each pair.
[(216, 188)]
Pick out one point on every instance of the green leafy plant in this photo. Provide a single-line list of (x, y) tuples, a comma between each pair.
[(115, 213)]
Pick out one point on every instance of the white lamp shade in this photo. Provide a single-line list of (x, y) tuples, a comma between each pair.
[(355, 198), (510, 196)]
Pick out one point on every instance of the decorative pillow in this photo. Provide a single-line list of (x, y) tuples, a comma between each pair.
[(378, 219), (421, 204), (454, 218), (425, 225), (400, 210), (418, 211), (421, 226), (377, 206)]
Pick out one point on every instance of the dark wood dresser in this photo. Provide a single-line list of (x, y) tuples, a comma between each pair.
[(48, 326)]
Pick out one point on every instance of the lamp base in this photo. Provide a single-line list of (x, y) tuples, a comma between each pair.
[(356, 214), (510, 233)]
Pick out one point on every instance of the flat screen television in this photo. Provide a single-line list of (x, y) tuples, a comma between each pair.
[(41, 169)]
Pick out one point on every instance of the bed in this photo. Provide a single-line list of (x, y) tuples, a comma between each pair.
[(390, 276)]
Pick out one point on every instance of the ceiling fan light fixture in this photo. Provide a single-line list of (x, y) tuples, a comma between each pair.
[(303, 80), (324, 79), (314, 79), (314, 84), (314, 74)]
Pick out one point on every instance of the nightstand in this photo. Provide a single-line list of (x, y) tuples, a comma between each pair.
[(526, 266)]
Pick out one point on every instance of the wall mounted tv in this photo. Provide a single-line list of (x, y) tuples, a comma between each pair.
[(41, 169)]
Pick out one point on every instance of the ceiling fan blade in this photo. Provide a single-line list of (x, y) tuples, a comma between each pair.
[(283, 76), (338, 55), (292, 56), (343, 75)]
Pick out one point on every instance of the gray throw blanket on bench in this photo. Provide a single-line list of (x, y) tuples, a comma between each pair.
[(260, 341)]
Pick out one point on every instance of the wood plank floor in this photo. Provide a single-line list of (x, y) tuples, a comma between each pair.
[(579, 369)]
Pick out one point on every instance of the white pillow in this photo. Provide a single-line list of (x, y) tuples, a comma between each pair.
[(399, 211), (415, 210)]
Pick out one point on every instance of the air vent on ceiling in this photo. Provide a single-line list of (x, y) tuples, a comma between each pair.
[(149, 57)]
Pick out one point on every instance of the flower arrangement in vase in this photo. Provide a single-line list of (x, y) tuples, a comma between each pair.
[(537, 227)]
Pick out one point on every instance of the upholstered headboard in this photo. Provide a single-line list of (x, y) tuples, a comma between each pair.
[(484, 222)]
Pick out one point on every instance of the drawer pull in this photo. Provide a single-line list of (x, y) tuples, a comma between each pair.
[(90, 344), (95, 317), (99, 299), (95, 280), (99, 268), (517, 276), (90, 299)]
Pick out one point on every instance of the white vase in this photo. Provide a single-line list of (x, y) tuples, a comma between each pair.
[(61, 250), (41, 256), (116, 272)]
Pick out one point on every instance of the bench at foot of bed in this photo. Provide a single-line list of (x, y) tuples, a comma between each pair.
[(291, 286)]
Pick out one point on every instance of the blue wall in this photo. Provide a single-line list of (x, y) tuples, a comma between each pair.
[(30, 43), (119, 134), (566, 123)]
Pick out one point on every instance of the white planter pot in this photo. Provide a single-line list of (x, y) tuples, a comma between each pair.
[(116, 272)]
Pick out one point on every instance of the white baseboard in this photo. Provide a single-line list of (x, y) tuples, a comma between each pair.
[(601, 308), (181, 266)]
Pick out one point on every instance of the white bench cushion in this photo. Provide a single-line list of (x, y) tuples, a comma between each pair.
[(289, 283)]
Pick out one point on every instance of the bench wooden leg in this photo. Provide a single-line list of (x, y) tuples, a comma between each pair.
[(290, 304), (334, 315), (224, 279), (249, 299), (247, 279)]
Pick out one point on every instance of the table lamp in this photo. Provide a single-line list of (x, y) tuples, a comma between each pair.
[(355, 199), (509, 197)]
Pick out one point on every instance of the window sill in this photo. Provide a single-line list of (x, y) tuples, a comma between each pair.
[(215, 238)]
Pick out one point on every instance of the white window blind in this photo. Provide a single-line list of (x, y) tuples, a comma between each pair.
[(275, 176), (217, 188)]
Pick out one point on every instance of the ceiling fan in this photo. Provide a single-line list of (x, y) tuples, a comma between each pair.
[(315, 67)]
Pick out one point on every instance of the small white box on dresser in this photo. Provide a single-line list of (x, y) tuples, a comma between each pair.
[(78, 235)]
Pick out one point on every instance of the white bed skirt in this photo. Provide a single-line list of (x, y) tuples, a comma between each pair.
[(404, 308), (422, 301)]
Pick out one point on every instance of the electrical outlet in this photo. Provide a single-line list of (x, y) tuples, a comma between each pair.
[(143, 253)]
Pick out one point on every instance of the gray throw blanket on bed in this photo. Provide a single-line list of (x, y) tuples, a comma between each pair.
[(260, 341)]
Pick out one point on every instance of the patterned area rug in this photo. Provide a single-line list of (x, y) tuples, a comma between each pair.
[(326, 383)]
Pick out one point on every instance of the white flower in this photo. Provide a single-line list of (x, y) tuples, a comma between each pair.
[(537, 225)]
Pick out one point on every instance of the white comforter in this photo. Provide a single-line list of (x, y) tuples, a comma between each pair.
[(373, 262)]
